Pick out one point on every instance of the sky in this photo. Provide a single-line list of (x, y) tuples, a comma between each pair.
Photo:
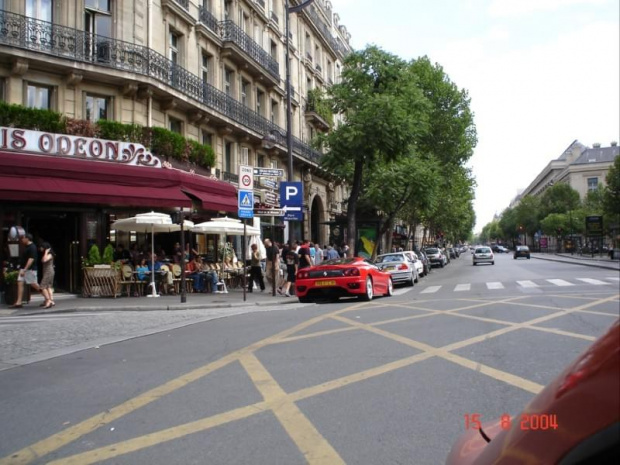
[(540, 74)]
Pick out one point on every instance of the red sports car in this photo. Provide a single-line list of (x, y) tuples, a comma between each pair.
[(574, 420), (342, 277)]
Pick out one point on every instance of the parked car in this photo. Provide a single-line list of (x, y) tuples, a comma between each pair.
[(425, 262), (574, 420), (340, 277), (451, 253), (436, 256), (419, 266), (483, 255), (399, 266), (522, 251)]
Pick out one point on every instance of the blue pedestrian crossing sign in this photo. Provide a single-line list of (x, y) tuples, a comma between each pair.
[(246, 204)]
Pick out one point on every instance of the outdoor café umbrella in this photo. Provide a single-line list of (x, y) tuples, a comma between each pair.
[(149, 223)]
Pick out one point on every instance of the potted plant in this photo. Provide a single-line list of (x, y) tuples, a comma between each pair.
[(10, 286), (101, 279)]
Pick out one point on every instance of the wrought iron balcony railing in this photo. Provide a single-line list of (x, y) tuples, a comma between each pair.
[(229, 31), (207, 18), (324, 29), (230, 177), (76, 45)]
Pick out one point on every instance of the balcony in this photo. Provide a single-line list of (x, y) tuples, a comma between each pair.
[(110, 55), (241, 48), (230, 177), (180, 8), (207, 18), (324, 30)]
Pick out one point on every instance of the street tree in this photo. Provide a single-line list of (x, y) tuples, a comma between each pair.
[(527, 215), (559, 198), (384, 111), (611, 200)]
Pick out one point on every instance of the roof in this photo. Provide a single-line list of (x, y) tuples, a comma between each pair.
[(597, 155)]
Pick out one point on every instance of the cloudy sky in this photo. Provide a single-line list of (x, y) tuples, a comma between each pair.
[(540, 74)]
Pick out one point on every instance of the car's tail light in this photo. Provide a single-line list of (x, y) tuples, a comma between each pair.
[(403, 267), (351, 272), (302, 275)]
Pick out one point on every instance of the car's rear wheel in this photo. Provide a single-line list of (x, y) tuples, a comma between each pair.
[(417, 279), (306, 300), (369, 290), (441, 264), (390, 288), (411, 281), (492, 263)]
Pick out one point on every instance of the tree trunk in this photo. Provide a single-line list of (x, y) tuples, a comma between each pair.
[(352, 207)]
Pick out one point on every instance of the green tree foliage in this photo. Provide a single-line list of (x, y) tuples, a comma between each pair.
[(559, 198), (527, 215), (508, 224), (611, 197), (555, 222), (385, 112)]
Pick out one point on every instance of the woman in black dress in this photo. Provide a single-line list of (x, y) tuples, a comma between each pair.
[(47, 280)]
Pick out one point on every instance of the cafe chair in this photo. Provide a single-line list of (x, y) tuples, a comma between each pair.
[(127, 280), (176, 280)]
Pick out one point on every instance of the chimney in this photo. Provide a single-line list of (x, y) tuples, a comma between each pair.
[(596, 145), (614, 143)]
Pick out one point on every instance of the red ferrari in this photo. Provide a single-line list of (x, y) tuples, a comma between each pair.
[(574, 420), (342, 277)]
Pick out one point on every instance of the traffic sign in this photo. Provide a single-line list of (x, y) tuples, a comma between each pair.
[(268, 212), (246, 177), (246, 203), (246, 213), (268, 183), (273, 172), (271, 198), (291, 199)]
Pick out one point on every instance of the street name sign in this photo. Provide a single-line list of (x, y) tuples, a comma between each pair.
[(271, 198), (268, 212), (268, 183), (272, 172)]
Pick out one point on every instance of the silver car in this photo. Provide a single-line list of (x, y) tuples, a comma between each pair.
[(483, 255), (399, 266)]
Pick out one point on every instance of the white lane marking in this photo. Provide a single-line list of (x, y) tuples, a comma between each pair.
[(495, 285), (613, 278), (462, 287), (430, 290), (402, 290), (560, 282), (595, 282), (527, 284)]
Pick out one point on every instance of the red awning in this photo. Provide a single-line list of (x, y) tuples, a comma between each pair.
[(55, 179)]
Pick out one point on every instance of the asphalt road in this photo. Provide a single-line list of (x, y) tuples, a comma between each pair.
[(384, 382)]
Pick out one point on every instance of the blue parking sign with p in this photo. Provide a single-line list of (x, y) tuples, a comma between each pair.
[(291, 194)]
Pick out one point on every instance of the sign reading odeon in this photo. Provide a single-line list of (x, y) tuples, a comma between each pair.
[(45, 143)]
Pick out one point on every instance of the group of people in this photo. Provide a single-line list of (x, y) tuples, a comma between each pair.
[(294, 256), (28, 271)]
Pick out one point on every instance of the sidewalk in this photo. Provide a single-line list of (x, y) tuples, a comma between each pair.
[(74, 303), (584, 260)]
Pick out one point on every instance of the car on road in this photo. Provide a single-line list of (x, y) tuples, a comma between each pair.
[(419, 266), (341, 277), (436, 256), (574, 420), (425, 262), (522, 251), (398, 264), (499, 249), (452, 253), (483, 255)]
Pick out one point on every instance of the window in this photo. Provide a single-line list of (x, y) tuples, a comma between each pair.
[(261, 161), (97, 108), (245, 87), (39, 97), (227, 10), (98, 22), (274, 50), (308, 45), (228, 77), (228, 157), (592, 184), (173, 51), (258, 34), (207, 138), (39, 9), (274, 111), (260, 95), (274, 164), (206, 67), (245, 156), (175, 125)]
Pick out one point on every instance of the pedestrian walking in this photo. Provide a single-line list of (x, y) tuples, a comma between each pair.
[(332, 253), (273, 263), (319, 255), (292, 265), (256, 272), (28, 269), (305, 259), (47, 280)]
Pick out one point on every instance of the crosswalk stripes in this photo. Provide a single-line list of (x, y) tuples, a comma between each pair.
[(560, 282), (430, 290), (495, 285), (595, 282), (525, 284)]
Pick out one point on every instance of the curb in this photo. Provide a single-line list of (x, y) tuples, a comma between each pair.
[(572, 262), (143, 308)]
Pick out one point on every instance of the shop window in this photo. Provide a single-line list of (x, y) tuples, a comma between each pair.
[(592, 184), (97, 107), (38, 96), (175, 125)]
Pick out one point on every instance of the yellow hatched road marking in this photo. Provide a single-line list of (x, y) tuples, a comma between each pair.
[(306, 437)]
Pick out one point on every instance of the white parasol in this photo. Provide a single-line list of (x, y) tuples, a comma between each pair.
[(150, 223)]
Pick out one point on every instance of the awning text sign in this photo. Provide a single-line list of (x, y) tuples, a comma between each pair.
[(45, 143)]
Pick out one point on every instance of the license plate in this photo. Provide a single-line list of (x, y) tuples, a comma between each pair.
[(388, 268), (324, 283)]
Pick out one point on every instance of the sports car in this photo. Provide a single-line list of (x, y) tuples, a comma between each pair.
[(341, 277)]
